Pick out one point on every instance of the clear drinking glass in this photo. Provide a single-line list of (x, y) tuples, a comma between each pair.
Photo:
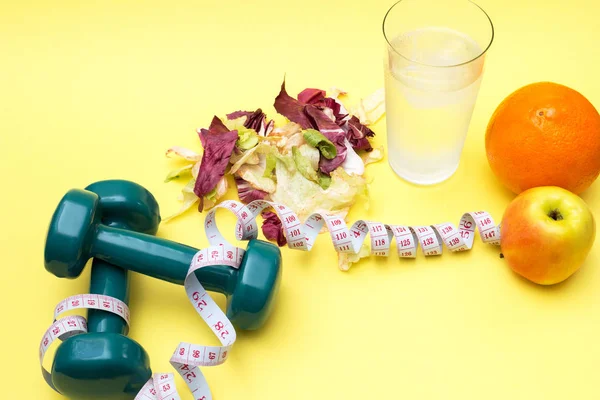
[(433, 69)]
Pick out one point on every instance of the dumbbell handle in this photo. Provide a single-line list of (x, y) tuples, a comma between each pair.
[(159, 258), (108, 280)]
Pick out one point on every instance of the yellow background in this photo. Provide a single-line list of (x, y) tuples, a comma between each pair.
[(91, 90)]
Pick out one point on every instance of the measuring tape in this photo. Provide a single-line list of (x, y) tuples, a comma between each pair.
[(188, 358), (301, 236)]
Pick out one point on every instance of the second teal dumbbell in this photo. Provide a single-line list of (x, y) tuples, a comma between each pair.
[(76, 233)]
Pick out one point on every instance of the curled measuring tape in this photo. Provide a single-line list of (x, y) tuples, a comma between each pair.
[(302, 235), (188, 358)]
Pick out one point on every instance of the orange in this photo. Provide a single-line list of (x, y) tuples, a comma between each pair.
[(544, 134)]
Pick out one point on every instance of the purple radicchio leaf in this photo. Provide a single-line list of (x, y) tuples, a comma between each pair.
[(239, 114), (311, 96), (358, 134), (218, 143), (317, 98), (272, 228), (334, 133), (336, 107), (247, 193), (291, 108), (256, 120)]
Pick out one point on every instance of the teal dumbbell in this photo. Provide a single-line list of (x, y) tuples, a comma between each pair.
[(77, 233), (104, 363)]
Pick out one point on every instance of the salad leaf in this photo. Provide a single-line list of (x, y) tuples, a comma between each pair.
[(286, 143), (176, 173), (337, 92), (247, 193), (311, 154), (218, 143), (319, 141), (334, 133), (256, 120), (358, 135), (216, 128), (311, 96), (196, 169), (188, 199), (291, 108), (233, 124), (240, 114), (254, 175), (286, 130), (353, 164), (303, 166), (330, 106), (371, 108), (250, 157), (324, 180), (247, 138), (211, 198), (339, 112), (184, 153), (243, 157), (272, 228), (305, 196), (373, 156), (270, 164)]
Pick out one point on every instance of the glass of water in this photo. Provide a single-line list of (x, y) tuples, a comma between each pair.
[(433, 68)]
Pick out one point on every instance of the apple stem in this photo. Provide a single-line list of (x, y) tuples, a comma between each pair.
[(501, 255), (555, 215)]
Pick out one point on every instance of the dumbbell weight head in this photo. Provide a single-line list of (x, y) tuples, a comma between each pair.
[(104, 364), (250, 303), (76, 234), (71, 230), (95, 366)]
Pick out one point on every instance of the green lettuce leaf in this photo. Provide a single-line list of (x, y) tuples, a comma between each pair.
[(318, 140), (324, 180), (311, 154), (188, 198), (248, 138), (176, 173), (303, 166), (270, 164), (254, 175)]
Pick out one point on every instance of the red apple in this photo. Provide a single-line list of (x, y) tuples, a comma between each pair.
[(546, 234)]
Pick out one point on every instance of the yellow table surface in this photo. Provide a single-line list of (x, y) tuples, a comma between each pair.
[(92, 90)]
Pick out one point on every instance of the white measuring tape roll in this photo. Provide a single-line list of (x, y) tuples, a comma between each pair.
[(188, 358), (302, 236)]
